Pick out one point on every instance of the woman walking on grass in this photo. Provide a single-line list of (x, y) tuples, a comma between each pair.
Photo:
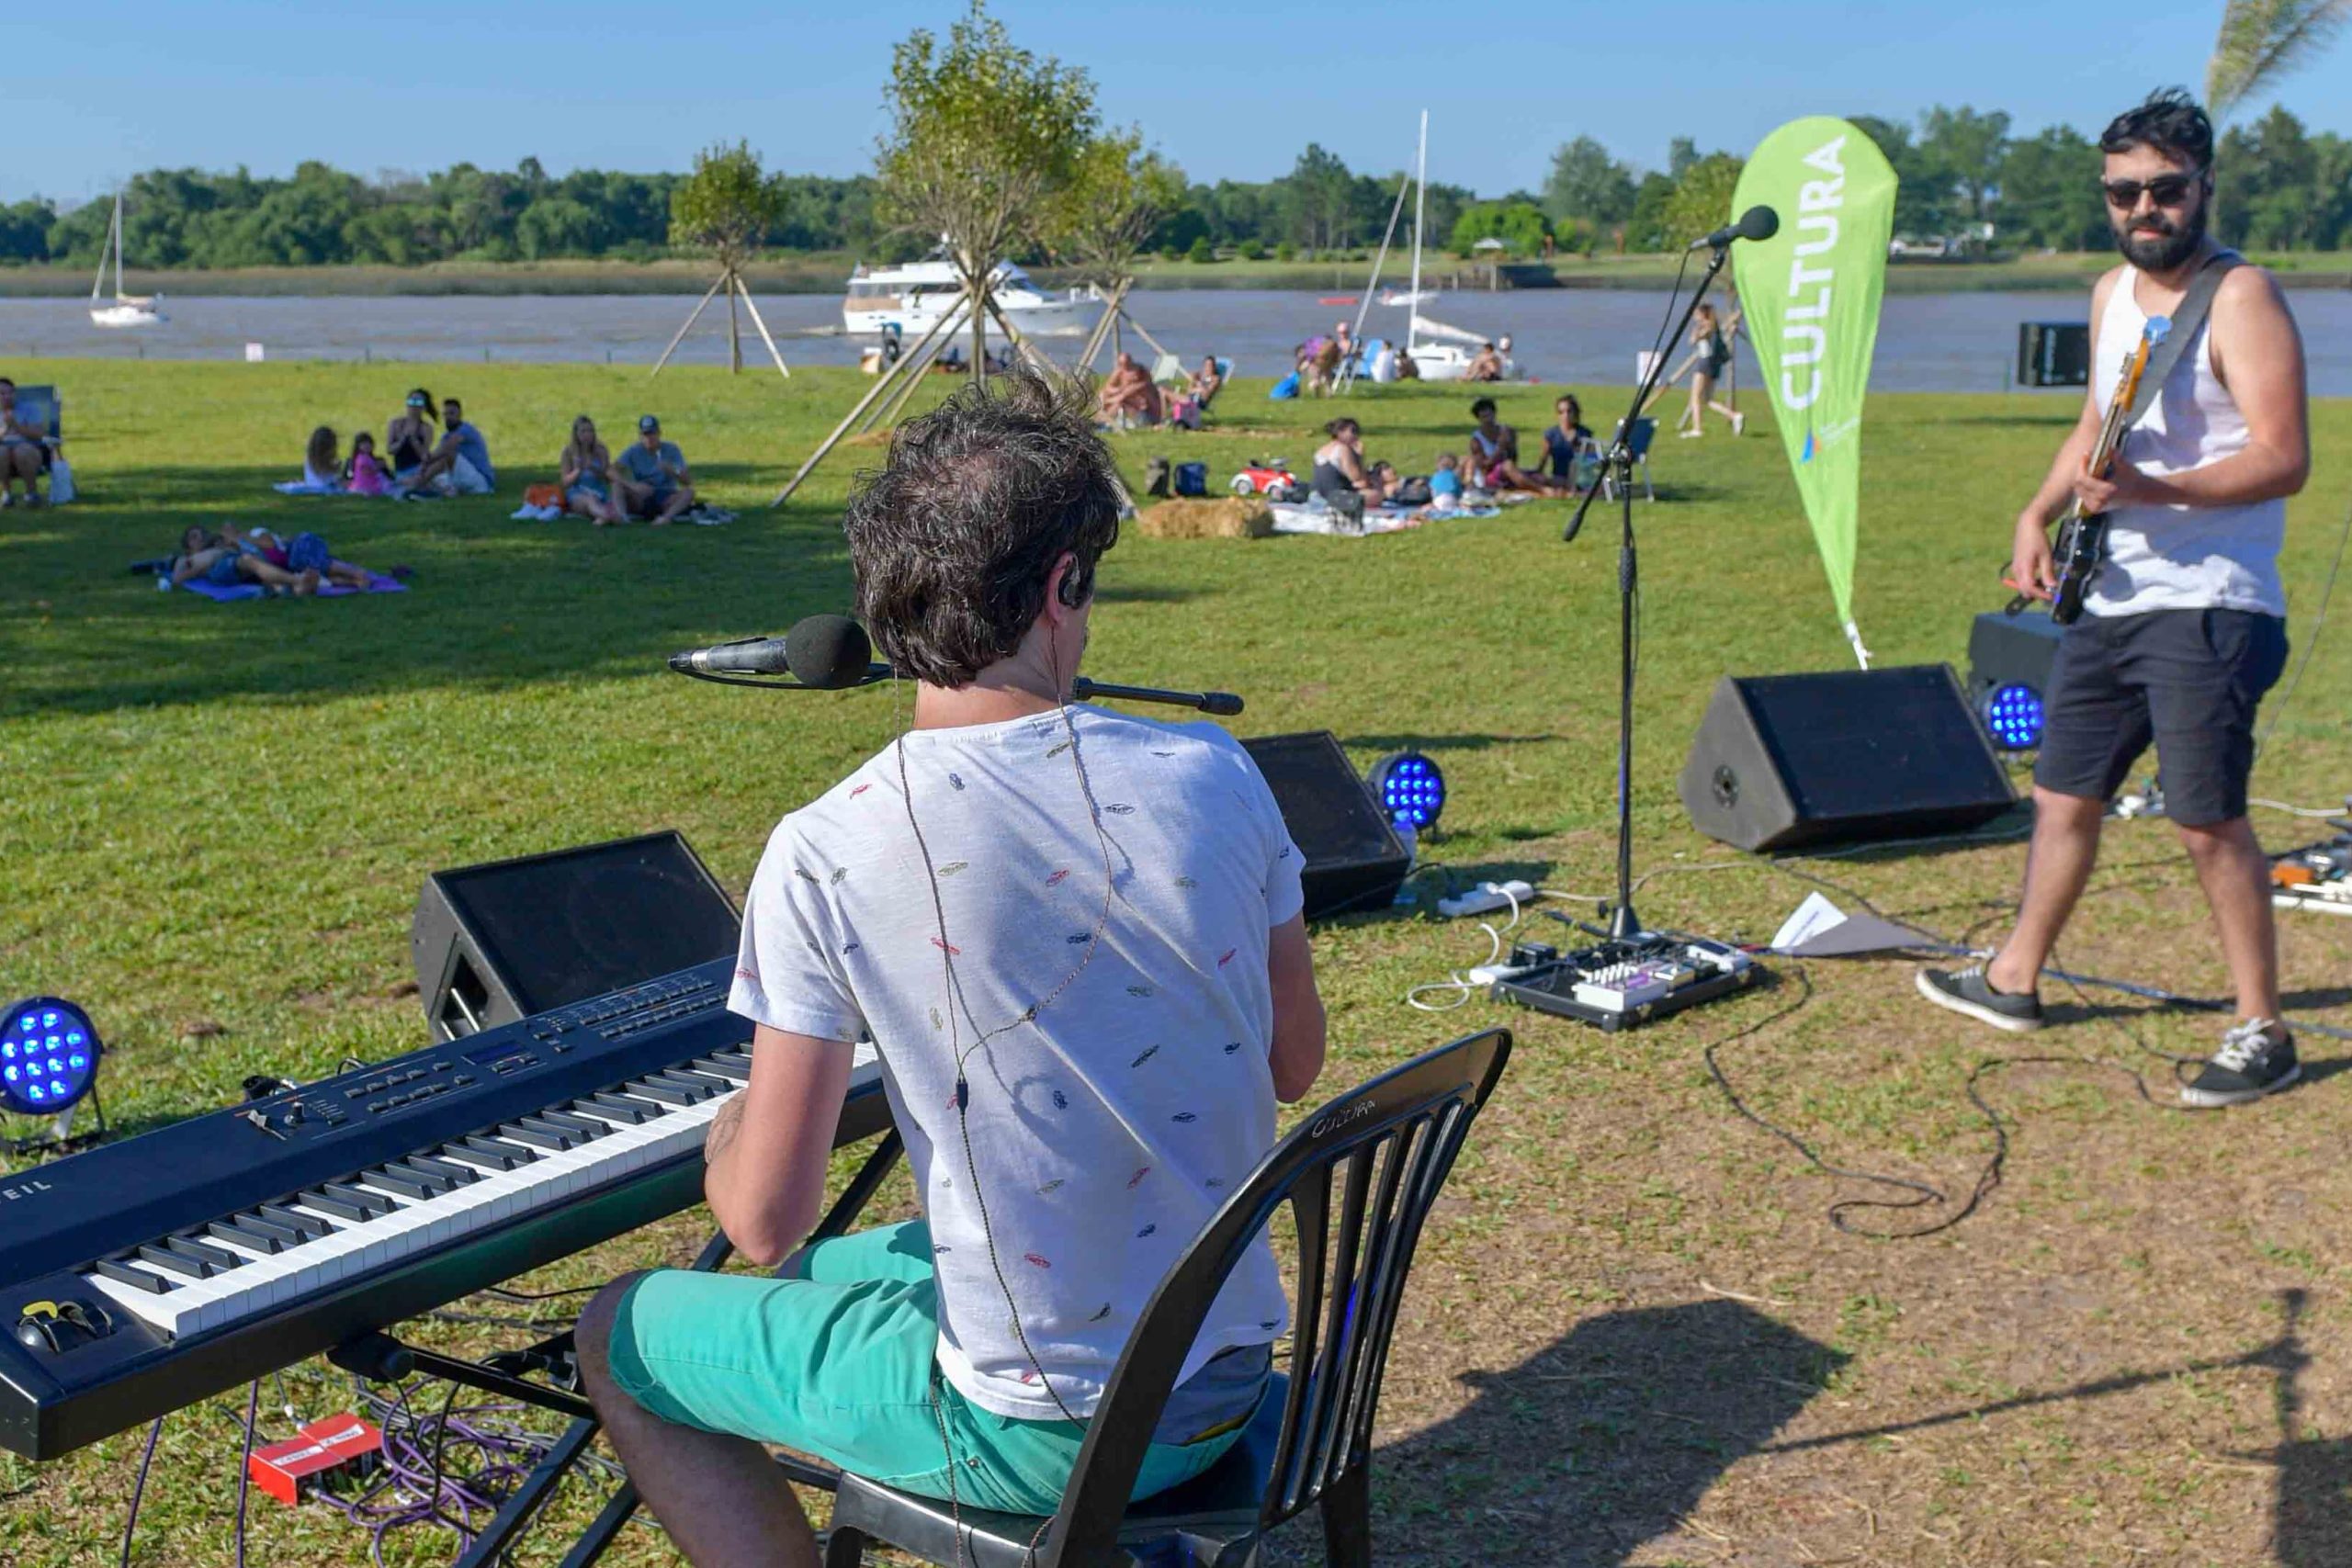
[(1714, 357)]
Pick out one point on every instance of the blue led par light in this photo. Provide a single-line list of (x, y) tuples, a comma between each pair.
[(2013, 715), (49, 1057), (1411, 789)]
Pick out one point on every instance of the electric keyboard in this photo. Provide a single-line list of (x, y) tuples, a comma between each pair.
[(147, 1274)]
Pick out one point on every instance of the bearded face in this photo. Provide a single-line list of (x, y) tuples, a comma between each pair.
[(2163, 223)]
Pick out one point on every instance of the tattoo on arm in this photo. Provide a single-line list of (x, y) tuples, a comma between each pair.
[(723, 1128)]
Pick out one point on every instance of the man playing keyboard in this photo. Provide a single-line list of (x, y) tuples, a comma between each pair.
[(1076, 937)]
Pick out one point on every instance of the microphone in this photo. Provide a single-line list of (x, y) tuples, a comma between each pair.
[(824, 651), (1756, 223)]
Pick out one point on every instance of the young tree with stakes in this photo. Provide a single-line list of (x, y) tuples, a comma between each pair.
[(983, 137), (727, 207), (1117, 196)]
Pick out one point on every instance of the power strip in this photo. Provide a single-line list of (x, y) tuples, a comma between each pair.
[(1487, 897)]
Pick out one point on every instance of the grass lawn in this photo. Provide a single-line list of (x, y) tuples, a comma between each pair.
[(1634, 1337)]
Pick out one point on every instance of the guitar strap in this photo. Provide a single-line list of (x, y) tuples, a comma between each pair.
[(2186, 317)]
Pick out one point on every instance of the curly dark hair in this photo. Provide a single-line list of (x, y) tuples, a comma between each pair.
[(955, 537), (2167, 120)]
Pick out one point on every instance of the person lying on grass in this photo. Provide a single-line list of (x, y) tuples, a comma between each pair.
[(229, 563)]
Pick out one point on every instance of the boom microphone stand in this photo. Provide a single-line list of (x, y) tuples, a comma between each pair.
[(1757, 223)]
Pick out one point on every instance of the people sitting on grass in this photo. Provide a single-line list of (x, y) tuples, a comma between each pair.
[(1341, 477), (408, 440), (585, 473), (1129, 398), (323, 461), (23, 450), (1484, 365), (230, 558), (1493, 455), (1568, 442), (1322, 367), (459, 464), (1204, 384), (654, 484), (363, 472)]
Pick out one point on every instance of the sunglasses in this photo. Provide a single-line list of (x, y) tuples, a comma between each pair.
[(2165, 190)]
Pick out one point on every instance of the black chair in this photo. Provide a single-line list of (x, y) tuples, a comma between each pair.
[(1387, 1146)]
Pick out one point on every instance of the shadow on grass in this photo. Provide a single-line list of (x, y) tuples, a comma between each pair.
[(1445, 742), (492, 604), (1608, 1438)]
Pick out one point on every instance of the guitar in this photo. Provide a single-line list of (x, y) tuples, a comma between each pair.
[(2082, 537)]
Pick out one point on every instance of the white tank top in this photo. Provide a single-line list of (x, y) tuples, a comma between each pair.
[(2181, 558)]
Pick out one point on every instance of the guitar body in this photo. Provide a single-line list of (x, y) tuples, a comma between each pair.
[(2082, 549)]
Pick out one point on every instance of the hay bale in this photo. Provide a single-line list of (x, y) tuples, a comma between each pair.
[(1226, 517)]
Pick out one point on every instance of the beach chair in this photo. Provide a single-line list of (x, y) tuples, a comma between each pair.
[(41, 406), (1644, 432), (1380, 1154)]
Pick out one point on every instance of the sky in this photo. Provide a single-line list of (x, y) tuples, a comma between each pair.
[(1228, 88)]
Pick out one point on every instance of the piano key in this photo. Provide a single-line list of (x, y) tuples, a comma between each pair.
[(618, 1107), (180, 1263), (719, 1066), (392, 1179), (569, 1122), (310, 1225), (654, 1089), (127, 1273), (354, 1189), (695, 1081), (203, 1251), (505, 1156), (538, 1134), (446, 1171), (257, 1235), (323, 1201)]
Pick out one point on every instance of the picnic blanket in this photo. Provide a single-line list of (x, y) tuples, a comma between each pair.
[(378, 583), (1307, 519)]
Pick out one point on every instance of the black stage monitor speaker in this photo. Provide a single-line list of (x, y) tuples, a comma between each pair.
[(1355, 859), (500, 941), (2053, 354), (1782, 761)]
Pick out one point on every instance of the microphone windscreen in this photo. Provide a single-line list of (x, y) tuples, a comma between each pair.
[(828, 651), (1758, 224)]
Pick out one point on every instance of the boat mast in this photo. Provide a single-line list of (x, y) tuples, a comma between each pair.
[(112, 224), (1421, 196), (118, 242)]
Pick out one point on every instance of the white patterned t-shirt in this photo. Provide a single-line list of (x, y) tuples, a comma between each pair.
[(1124, 1089)]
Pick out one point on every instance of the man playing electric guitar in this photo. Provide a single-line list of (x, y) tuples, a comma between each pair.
[(2186, 625)]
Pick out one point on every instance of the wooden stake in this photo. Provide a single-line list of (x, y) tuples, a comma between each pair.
[(780, 368), (873, 394), (734, 327), (687, 328)]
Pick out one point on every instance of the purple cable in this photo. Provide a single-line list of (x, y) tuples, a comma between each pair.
[(139, 1489)]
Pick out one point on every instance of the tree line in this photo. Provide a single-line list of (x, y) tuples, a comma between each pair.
[(2282, 187)]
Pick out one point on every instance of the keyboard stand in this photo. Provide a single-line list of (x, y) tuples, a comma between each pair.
[(384, 1361)]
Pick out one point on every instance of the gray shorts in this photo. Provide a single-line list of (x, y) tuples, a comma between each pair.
[(2187, 680)]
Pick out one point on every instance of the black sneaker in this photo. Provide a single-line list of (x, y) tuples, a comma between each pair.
[(2253, 1062), (1969, 991)]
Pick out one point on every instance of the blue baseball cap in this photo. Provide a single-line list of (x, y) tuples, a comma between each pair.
[(647, 425)]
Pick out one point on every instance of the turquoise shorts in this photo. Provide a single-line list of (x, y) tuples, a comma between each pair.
[(836, 1360)]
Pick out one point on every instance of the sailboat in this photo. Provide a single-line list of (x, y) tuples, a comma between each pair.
[(128, 310), (1438, 351)]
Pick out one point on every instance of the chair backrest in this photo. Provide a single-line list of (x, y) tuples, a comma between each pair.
[(1387, 1146), (1644, 431), (41, 406)]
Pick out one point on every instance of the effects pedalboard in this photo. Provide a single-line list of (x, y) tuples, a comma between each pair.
[(1618, 984), (2317, 876)]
